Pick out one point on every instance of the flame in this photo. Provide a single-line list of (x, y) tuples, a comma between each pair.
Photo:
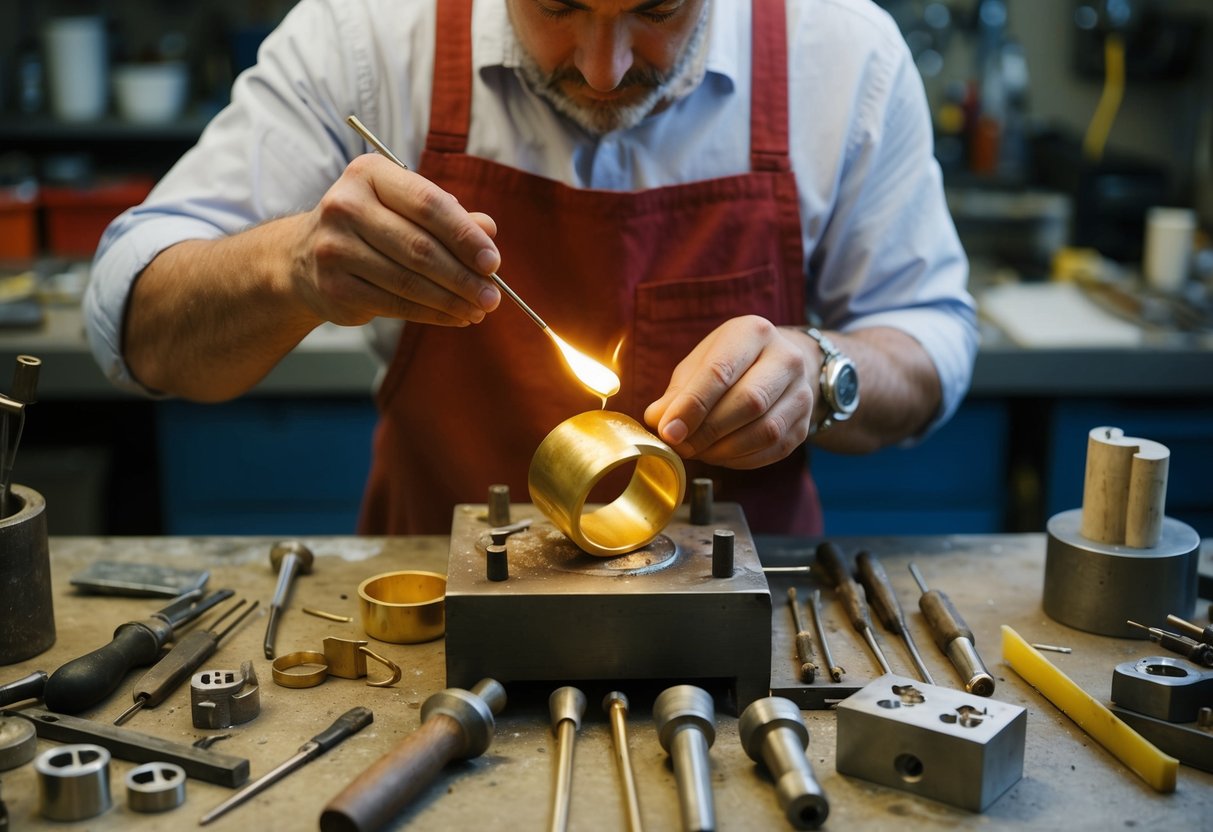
[(589, 372)]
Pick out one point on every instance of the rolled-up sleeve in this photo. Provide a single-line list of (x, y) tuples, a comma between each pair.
[(272, 152)]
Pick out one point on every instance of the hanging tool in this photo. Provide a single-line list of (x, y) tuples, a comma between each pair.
[(832, 565), (187, 655), (616, 706), (456, 724), (566, 706), (954, 637), (597, 377), (815, 608), (1194, 631), (83, 682), (888, 609), (1192, 650), (804, 640), (288, 557), (346, 725)]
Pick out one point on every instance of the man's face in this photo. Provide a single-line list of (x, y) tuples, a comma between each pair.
[(607, 63)]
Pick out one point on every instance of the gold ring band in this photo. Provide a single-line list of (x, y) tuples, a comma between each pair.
[(300, 680), (578, 454)]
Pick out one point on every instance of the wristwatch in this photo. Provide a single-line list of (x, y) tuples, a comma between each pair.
[(839, 382)]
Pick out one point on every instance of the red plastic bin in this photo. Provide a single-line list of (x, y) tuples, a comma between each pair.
[(18, 222), (77, 217)]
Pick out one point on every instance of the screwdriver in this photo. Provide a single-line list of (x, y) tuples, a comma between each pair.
[(83, 682), (346, 725), (888, 609), (1195, 631), (830, 560), (1190, 649), (188, 653), (954, 637)]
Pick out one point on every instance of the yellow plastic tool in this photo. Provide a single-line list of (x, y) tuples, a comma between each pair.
[(1146, 761)]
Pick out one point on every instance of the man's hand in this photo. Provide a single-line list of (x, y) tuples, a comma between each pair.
[(743, 398), (386, 242)]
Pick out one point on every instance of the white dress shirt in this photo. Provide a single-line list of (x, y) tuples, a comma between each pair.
[(879, 246)]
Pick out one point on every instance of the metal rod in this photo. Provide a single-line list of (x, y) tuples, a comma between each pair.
[(815, 608), (374, 142)]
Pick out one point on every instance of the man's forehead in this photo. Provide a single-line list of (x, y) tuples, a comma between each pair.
[(616, 5)]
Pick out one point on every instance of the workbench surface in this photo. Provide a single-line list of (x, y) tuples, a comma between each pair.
[(1069, 781)]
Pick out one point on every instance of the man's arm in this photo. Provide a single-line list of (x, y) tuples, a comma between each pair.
[(748, 394), (209, 318)]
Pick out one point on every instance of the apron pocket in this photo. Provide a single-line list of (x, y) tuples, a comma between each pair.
[(673, 316)]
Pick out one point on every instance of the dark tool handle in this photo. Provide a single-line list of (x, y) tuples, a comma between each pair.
[(381, 791), (83, 682), (345, 726), (27, 687), (943, 619), (166, 675), (804, 651), (831, 561), (880, 592)]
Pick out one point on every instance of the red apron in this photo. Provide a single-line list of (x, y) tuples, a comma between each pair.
[(656, 270)]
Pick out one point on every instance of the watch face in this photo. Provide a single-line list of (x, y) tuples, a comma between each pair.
[(846, 387)]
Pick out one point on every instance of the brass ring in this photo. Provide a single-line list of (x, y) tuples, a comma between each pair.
[(578, 454), (404, 607), (388, 663), (300, 680)]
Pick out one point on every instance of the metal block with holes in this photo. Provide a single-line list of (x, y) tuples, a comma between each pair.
[(934, 742)]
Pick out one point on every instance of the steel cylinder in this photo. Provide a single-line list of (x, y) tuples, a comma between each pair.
[(1098, 587), (578, 454), (73, 782), (26, 605)]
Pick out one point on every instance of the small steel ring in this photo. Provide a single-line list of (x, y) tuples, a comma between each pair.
[(388, 663), (300, 680)]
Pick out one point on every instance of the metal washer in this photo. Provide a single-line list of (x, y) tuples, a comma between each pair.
[(18, 742)]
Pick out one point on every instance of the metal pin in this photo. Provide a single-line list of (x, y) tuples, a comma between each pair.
[(566, 705), (701, 501), (722, 553), (616, 705), (499, 505), (329, 616), (496, 563), (815, 608), (1052, 648)]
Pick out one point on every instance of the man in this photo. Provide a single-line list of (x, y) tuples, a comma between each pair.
[(674, 180)]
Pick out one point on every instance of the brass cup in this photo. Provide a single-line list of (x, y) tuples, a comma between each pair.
[(578, 454), (403, 607)]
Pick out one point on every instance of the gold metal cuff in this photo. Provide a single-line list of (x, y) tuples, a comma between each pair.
[(578, 454)]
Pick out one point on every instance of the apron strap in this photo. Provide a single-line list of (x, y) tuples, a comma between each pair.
[(769, 87), (451, 97)]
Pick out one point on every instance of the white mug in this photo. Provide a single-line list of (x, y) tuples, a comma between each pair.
[(1168, 250), (77, 60)]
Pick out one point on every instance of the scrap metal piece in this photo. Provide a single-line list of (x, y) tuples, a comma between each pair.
[(125, 744), (223, 698), (107, 577), (943, 744), (73, 782), (1162, 687), (155, 787), (329, 616), (347, 658), (1188, 744)]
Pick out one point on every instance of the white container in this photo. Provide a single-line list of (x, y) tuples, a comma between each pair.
[(77, 60), (1168, 251), (151, 93)]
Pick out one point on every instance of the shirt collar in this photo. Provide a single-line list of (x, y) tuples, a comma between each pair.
[(496, 47)]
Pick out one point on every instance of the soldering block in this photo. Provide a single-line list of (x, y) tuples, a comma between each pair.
[(939, 743)]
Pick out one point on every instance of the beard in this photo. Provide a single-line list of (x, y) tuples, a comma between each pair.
[(653, 86)]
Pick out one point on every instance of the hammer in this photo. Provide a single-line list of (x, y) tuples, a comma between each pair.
[(455, 725)]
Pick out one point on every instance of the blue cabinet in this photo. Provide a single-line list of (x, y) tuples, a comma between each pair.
[(264, 466)]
